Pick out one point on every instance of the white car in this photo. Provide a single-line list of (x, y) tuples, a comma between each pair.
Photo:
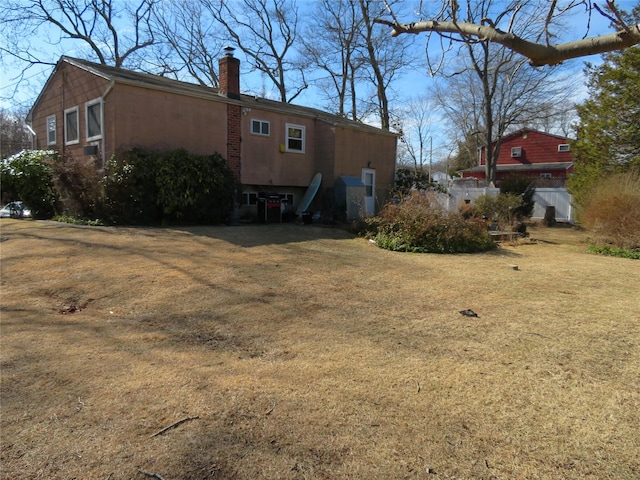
[(15, 210)]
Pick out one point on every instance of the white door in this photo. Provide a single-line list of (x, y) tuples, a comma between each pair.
[(369, 180)]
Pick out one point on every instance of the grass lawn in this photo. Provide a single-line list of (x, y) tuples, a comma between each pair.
[(302, 352)]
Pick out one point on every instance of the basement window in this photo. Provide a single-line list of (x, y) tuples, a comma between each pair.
[(249, 198), (260, 127), (295, 138), (71, 130), (51, 130), (286, 198), (545, 175), (564, 147)]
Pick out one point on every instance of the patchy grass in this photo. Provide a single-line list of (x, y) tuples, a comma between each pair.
[(307, 353)]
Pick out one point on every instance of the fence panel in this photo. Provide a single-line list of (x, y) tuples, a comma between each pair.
[(553, 197), (543, 198)]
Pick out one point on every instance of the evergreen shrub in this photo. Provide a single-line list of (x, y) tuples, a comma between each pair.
[(173, 187), (28, 176)]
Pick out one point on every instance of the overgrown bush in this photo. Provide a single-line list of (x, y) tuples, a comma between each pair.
[(420, 224), (611, 210), (77, 182), (28, 176), (145, 187)]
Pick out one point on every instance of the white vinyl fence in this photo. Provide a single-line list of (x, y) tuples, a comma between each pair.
[(543, 198)]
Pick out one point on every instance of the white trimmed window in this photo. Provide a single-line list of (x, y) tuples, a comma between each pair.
[(564, 147), (260, 127), (295, 138), (71, 130), (51, 130), (94, 119)]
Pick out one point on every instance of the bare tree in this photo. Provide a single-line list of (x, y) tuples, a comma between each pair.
[(535, 46), (415, 131), (331, 45), (492, 91), (189, 40), (384, 59), (266, 31), (14, 133), (112, 31)]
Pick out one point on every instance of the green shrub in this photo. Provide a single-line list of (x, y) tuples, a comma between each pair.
[(28, 176), (77, 221), (129, 189), (174, 187), (419, 224), (615, 252), (611, 211)]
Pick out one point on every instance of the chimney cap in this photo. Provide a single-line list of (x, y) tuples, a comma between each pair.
[(228, 51)]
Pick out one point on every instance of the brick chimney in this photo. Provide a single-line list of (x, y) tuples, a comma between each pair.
[(229, 86), (229, 74)]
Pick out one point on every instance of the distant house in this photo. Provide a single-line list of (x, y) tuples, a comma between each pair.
[(530, 153), (88, 109)]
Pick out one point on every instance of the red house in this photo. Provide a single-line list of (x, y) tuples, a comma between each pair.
[(530, 153)]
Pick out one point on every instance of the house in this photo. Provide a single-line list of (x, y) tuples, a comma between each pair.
[(273, 148), (530, 153)]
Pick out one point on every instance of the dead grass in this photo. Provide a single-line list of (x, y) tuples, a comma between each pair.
[(307, 353)]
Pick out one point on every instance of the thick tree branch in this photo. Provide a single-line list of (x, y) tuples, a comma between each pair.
[(537, 53)]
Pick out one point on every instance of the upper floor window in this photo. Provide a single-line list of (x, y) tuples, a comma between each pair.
[(516, 151), (94, 119), (51, 130), (564, 147), (71, 130), (260, 127), (295, 138)]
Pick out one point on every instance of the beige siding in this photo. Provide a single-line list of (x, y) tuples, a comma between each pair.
[(67, 88), (160, 120), (356, 150), (264, 162)]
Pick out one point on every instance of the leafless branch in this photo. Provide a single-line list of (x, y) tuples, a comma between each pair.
[(175, 424), (538, 54), (150, 474)]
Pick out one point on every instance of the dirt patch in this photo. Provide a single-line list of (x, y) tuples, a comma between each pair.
[(304, 352)]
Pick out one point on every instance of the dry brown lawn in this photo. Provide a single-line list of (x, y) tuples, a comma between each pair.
[(302, 352)]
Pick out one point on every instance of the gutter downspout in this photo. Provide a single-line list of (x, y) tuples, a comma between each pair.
[(104, 127)]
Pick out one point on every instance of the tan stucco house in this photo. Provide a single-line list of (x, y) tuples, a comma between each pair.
[(272, 147)]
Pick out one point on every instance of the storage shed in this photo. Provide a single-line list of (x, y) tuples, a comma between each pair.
[(349, 197)]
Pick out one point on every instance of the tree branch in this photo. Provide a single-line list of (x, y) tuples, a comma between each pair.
[(537, 53)]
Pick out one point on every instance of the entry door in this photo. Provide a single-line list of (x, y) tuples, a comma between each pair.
[(369, 180)]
